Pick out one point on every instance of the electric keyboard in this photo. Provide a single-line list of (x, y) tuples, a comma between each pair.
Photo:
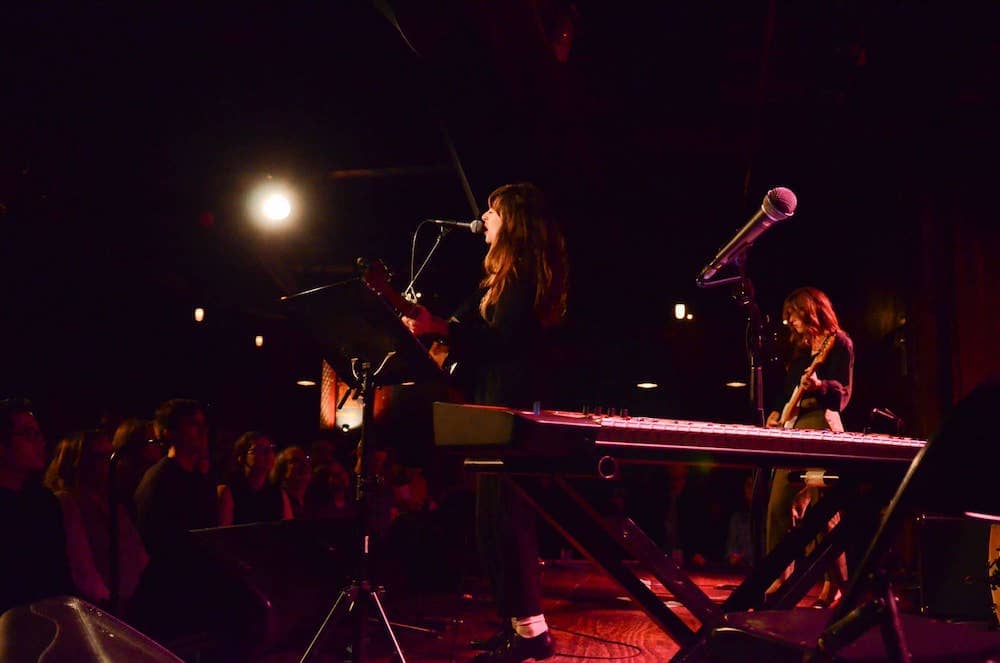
[(483, 430)]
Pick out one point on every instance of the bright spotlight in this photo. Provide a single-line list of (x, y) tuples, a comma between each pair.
[(276, 207), (271, 206), (647, 385), (680, 310), (199, 314), (258, 341)]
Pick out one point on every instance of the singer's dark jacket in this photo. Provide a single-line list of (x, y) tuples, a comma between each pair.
[(836, 375), (503, 359), (505, 362)]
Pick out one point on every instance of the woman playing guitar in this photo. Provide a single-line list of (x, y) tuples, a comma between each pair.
[(817, 389), (503, 341), (824, 391)]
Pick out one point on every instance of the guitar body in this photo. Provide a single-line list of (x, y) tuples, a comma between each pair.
[(790, 413)]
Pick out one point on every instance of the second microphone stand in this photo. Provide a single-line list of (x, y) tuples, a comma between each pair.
[(744, 294)]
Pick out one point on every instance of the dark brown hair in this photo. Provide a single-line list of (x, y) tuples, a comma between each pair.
[(63, 473), (528, 240), (816, 312)]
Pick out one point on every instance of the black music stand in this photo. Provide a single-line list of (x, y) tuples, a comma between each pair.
[(361, 336)]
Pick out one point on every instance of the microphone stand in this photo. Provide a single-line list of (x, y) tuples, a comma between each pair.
[(744, 295), (408, 293), (114, 569)]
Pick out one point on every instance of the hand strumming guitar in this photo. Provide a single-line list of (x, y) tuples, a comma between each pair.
[(810, 382)]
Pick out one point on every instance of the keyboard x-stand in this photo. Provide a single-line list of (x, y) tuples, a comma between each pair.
[(542, 452)]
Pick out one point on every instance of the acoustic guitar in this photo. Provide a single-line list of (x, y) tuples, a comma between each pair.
[(790, 413), (378, 278)]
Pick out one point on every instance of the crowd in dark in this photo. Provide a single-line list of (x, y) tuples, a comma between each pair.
[(165, 476)]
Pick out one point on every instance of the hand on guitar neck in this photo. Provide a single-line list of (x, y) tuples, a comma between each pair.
[(808, 383), (417, 319)]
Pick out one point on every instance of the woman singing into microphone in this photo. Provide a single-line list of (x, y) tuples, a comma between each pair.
[(503, 343)]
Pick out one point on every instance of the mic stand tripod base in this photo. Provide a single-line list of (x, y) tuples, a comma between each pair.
[(355, 599), (359, 594)]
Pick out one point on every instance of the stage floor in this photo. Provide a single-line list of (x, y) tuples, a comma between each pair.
[(590, 617)]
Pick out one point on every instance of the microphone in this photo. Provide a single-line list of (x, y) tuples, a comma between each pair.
[(475, 226), (778, 205)]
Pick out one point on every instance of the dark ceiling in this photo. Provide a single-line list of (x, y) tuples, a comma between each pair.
[(132, 137)]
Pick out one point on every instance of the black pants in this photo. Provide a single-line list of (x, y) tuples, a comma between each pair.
[(787, 498), (508, 546)]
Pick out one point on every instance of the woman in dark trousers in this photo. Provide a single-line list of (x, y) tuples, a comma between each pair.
[(503, 342), (815, 334)]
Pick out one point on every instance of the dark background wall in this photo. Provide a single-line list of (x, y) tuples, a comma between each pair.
[(132, 138)]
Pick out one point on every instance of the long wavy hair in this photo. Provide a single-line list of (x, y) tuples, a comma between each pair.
[(816, 312), (69, 469), (282, 460), (528, 240)]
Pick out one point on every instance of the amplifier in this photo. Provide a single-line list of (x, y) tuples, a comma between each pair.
[(953, 564)]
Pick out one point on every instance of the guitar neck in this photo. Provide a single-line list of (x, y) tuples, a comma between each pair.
[(790, 411), (402, 305), (377, 278)]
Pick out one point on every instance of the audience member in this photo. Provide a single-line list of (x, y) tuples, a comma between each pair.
[(672, 541), (175, 495), (33, 562), (136, 449), (739, 539), (247, 496), (78, 475), (292, 472), (322, 452), (329, 494), (409, 489), (179, 592)]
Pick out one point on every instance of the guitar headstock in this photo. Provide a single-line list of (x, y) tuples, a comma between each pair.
[(374, 271), (378, 277)]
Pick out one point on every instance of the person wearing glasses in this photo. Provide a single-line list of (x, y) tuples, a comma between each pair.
[(247, 496), (174, 496), (136, 449), (33, 562)]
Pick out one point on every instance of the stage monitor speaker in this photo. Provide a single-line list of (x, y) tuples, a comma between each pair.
[(294, 567), (953, 559), (244, 588), (66, 628)]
